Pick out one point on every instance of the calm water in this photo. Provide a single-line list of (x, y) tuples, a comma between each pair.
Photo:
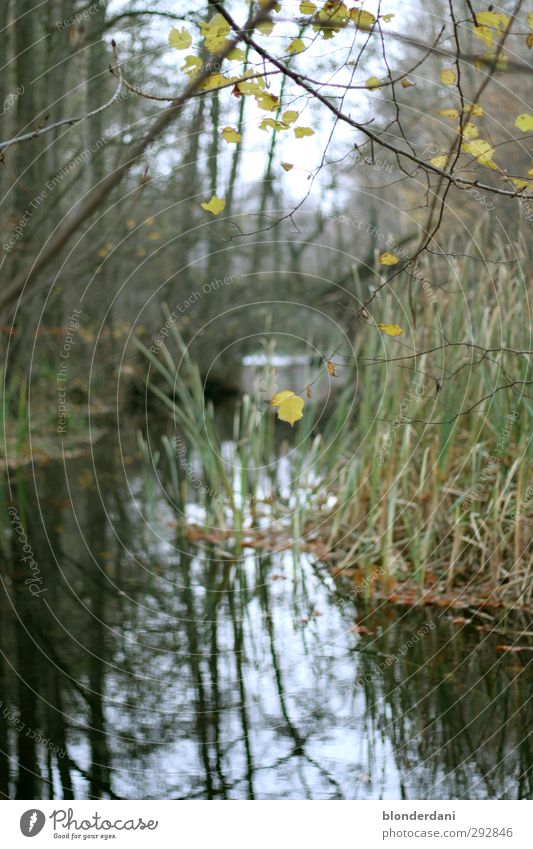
[(147, 667)]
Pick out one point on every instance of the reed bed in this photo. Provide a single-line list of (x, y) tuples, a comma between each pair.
[(407, 478)]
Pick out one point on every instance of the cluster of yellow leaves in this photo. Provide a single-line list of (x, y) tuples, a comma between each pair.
[(290, 406), (491, 25), (288, 118)]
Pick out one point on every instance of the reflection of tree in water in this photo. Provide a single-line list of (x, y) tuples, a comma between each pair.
[(182, 675)]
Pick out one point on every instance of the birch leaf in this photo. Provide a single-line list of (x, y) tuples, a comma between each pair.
[(193, 64), (362, 19), (300, 132), (391, 329), (266, 101), (448, 76), (388, 259), (215, 33), (230, 135), (373, 83), (290, 406), (215, 205), (439, 161), (296, 46), (181, 39), (524, 122), (449, 113)]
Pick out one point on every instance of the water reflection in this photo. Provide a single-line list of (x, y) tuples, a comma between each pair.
[(153, 668)]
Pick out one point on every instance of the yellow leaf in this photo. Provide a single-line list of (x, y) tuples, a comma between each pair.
[(474, 109), (215, 33), (300, 132), (254, 87), (372, 83), (275, 8), (215, 205), (448, 76), (439, 161), (388, 17), (524, 122), (449, 113), (332, 369), (521, 184), (266, 101), (406, 83), (530, 20), (290, 116), (290, 406), (307, 8), (470, 131), (237, 54), (287, 166), (214, 81), (296, 46), (388, 259), (391, 329), (193, 64), (363, 20), (529, 41), (230, 135), (482, 151), (490, 24), (179, 38), (266, 27), (272, 124), (130, 223)]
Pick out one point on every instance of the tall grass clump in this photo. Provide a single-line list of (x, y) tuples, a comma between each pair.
[(426, 478)]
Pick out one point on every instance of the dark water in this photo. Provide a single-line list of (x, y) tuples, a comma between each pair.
[(146, 667)]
